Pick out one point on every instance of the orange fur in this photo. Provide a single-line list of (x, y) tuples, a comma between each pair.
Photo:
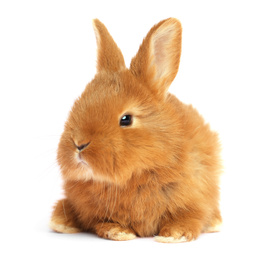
[(160, 175)]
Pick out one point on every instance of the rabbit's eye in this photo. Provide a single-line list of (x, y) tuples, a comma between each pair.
[(126, 120)]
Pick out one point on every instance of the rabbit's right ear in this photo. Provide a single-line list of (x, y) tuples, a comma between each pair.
[(157, 61), (109, 56)]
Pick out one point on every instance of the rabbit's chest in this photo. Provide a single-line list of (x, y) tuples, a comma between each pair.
[(138, 206), (134, 203), (141, 208)]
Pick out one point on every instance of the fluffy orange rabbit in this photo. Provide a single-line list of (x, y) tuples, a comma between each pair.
[(134, 159)]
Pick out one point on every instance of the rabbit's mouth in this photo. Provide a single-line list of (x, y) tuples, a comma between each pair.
[(85, 170), (81, 160)]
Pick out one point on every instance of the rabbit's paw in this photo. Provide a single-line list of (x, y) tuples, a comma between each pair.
[(57, 226), (63, 219), (114, 232), (177, 234), (119, 235), (214, 227)]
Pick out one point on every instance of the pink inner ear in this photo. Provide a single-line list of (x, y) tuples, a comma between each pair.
[(157, 61), (162, 50), (159, 55)]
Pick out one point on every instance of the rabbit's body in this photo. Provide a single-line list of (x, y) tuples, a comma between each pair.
[(159, 174)]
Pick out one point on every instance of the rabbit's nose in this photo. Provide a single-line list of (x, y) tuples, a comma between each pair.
[(83, 146)]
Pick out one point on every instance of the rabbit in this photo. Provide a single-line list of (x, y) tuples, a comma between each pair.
[(136, 161)]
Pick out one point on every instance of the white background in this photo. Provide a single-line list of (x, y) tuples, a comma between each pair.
[(47, 56)]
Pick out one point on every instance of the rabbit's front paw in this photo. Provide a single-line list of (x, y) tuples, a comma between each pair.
[(178, 233), (63, 219), (59, 226), (114, 232)]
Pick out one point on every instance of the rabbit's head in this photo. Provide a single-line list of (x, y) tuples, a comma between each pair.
[(125, 122)]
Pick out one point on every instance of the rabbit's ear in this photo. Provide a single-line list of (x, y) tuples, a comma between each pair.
[(157, 61), (109, 56)]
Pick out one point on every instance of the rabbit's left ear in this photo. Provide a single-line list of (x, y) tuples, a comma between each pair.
[(157, 61), (109, 56)]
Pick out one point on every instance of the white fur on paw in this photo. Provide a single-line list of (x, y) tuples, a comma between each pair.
[(215, 228), (114, 234), (60, 228), (162, 239)]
